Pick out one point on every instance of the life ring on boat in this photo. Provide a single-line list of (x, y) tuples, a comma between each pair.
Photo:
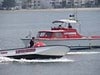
[(39, 44)]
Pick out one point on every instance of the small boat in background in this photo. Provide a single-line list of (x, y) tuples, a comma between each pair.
[(66, 34), (39, 52)]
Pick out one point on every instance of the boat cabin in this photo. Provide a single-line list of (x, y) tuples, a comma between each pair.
[(61, 31)]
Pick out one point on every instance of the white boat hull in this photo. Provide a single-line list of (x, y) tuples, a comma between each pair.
[(36, 53), (72, 43)]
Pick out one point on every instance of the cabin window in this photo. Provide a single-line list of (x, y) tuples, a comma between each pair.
[(41, 34), (48, 34), (58, 35), (45, 34)]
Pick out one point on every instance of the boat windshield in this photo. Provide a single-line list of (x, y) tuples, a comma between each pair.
[(45, 34)]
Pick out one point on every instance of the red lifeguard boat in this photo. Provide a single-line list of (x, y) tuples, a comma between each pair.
[(65, 34)]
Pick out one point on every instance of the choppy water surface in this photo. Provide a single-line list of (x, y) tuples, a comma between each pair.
[(16, 25)]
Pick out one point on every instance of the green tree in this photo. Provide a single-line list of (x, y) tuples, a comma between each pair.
[(8, 3)]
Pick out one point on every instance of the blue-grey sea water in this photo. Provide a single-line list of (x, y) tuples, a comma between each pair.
[(15, 25)]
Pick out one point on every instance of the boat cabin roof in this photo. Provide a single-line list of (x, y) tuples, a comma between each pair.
[(65, 21), (52, 31)]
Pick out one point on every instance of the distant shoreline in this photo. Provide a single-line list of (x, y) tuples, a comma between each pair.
[(61, 9)]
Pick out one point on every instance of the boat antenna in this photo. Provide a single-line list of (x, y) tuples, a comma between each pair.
[(76, 16), (75, 10)]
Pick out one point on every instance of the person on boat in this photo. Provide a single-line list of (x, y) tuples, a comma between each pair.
[(60, 27), (69, 25), (32, 42)]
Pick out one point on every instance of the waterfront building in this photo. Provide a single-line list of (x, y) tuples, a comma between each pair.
[(77, 3), (69, 3), (51, 3), (85, 3), (18, 4), (31, 4), (36, 4), (47, 4)]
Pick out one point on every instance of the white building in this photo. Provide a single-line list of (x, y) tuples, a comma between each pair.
[(18, 4), (51, 3), (46, 4), (84, 3), (78, 3), (69, 3), (36, 4)]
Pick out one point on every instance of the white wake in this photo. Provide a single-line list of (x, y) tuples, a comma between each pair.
[(5, 60), (89, 52)]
